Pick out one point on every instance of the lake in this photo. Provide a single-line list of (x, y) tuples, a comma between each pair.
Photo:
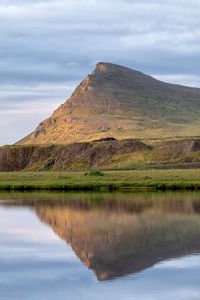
[(100, 246)]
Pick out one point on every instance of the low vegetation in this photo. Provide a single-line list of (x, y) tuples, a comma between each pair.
[(111, 180), (94, 173)]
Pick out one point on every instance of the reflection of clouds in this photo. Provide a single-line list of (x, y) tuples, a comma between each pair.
[(33, 253), (179, 294), (21, 224), (23, 236), (28, 234), (190, 262), (35, 264)]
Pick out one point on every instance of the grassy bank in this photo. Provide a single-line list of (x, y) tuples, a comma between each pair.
[(109, 180)]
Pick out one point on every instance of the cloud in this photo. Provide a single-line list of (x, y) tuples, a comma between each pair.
[(49, 42), (23, 107)]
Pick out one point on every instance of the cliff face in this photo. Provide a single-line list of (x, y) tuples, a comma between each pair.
[(99, 154), (120, 102), (59, 157), (15, 159)]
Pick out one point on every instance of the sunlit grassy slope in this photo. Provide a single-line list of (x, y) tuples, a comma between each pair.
[(123, 103)]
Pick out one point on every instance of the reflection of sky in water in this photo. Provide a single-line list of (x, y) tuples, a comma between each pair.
[(36, 264)]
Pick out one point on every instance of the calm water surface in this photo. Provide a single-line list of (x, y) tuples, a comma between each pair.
[(100, 246)]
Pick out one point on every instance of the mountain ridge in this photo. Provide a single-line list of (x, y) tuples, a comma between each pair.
[(117, 101)]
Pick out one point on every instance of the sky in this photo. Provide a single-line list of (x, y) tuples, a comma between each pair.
[(48, 46)]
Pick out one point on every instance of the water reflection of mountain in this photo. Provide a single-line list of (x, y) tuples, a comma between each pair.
[(120, 235)]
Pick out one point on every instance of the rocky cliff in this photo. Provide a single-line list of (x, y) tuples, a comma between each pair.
[(109, 153), (60, 157)]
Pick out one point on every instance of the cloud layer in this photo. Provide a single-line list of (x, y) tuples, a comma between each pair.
[(47, 46)]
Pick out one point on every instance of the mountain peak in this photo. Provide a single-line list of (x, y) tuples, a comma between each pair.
[(115, 101), (106, 67), (102, 67), (110, 70)]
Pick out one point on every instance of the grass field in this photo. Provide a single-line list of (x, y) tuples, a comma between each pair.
[(108, 180)]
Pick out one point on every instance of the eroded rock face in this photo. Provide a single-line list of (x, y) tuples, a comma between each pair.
[(15, 159), (61, 157), (101, 152), (181, 146), (177, 151), (97, 154), (124, 103)]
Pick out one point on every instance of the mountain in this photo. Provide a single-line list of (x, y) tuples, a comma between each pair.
[(115, 101)]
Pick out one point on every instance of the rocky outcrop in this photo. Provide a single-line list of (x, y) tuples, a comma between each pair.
[(185, 150), (99, 154), (15, 158), (181, 146), (62, 157)]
